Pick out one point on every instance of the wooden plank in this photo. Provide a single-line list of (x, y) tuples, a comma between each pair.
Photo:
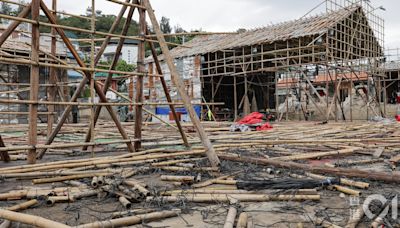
[(212, 156)]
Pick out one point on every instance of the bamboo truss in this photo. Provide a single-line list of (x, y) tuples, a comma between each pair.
[(344, 43), (37, 59)]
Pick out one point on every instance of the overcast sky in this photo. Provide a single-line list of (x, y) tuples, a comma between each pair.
[(229, 15)]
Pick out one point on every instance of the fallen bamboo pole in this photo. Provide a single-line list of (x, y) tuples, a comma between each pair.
[(177, 178), (23, 206), (347, 151), (104, 161), (71, 177), (30, 219), (13, 195), (232, 191), (242, 220), (131, 220), (344, 181), (378, 176), (230, 217), (210, 198)]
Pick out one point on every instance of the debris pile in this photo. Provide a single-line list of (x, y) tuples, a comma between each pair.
[(263, 173)]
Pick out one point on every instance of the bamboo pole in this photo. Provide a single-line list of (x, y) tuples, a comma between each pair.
[(105, 161), (230, 217), (107, 83), (177, 178), (5, 34), (166, 91), (242, 221), (71, 177), (211, 198), (30, 219), (52, 25), (81, 63), (23, 206), (344, 181), (34, 83), (64, 145), (139, 80), (379, 176), (131, 220), (4, 154), (347, 151), (181, 88)]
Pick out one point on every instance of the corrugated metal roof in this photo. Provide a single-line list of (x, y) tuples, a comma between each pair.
[(278, 32)]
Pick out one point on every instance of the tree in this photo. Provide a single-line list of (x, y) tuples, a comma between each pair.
[(5, 8), (165, 26), (122, 65), (19, 8), (179, 39)]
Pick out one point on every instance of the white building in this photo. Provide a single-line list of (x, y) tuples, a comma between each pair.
[(129, 51)]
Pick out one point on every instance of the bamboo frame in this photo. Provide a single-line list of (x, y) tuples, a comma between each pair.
[(353, 45), (54, 62)]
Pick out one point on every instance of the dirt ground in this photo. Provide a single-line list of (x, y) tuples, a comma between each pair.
[(334, 207)]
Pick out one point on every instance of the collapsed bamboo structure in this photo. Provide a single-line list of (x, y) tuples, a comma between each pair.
[(103, 173)]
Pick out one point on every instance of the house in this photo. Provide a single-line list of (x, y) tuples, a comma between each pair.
[(129, 51)]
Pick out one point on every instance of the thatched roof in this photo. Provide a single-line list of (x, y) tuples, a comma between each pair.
[(279, 32)]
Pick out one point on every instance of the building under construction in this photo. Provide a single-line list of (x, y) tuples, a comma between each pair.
[(280, 64), (299, 132)]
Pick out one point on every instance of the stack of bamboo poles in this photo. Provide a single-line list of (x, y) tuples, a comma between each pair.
[(346, 149)]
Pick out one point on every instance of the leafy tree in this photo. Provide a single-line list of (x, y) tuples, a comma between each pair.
[(122, 65), (5, 8), (165, 26)]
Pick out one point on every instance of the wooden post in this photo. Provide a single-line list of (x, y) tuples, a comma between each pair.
[(287, 97), (4, 154), (212, 156), (24, 13), (92, 75), (53, 77), (167, 95), (246, 102), (114, 62), (139, 80), (87, 77), (34, 83), (368, 97), (235, 101)]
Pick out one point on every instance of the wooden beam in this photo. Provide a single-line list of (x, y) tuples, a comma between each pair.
[(52, 77), (4, 154), (339, 172), (166, 91), (139, 80), (10, 29), (34, 83), (115, 60), (87, 77), (212, 156)]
